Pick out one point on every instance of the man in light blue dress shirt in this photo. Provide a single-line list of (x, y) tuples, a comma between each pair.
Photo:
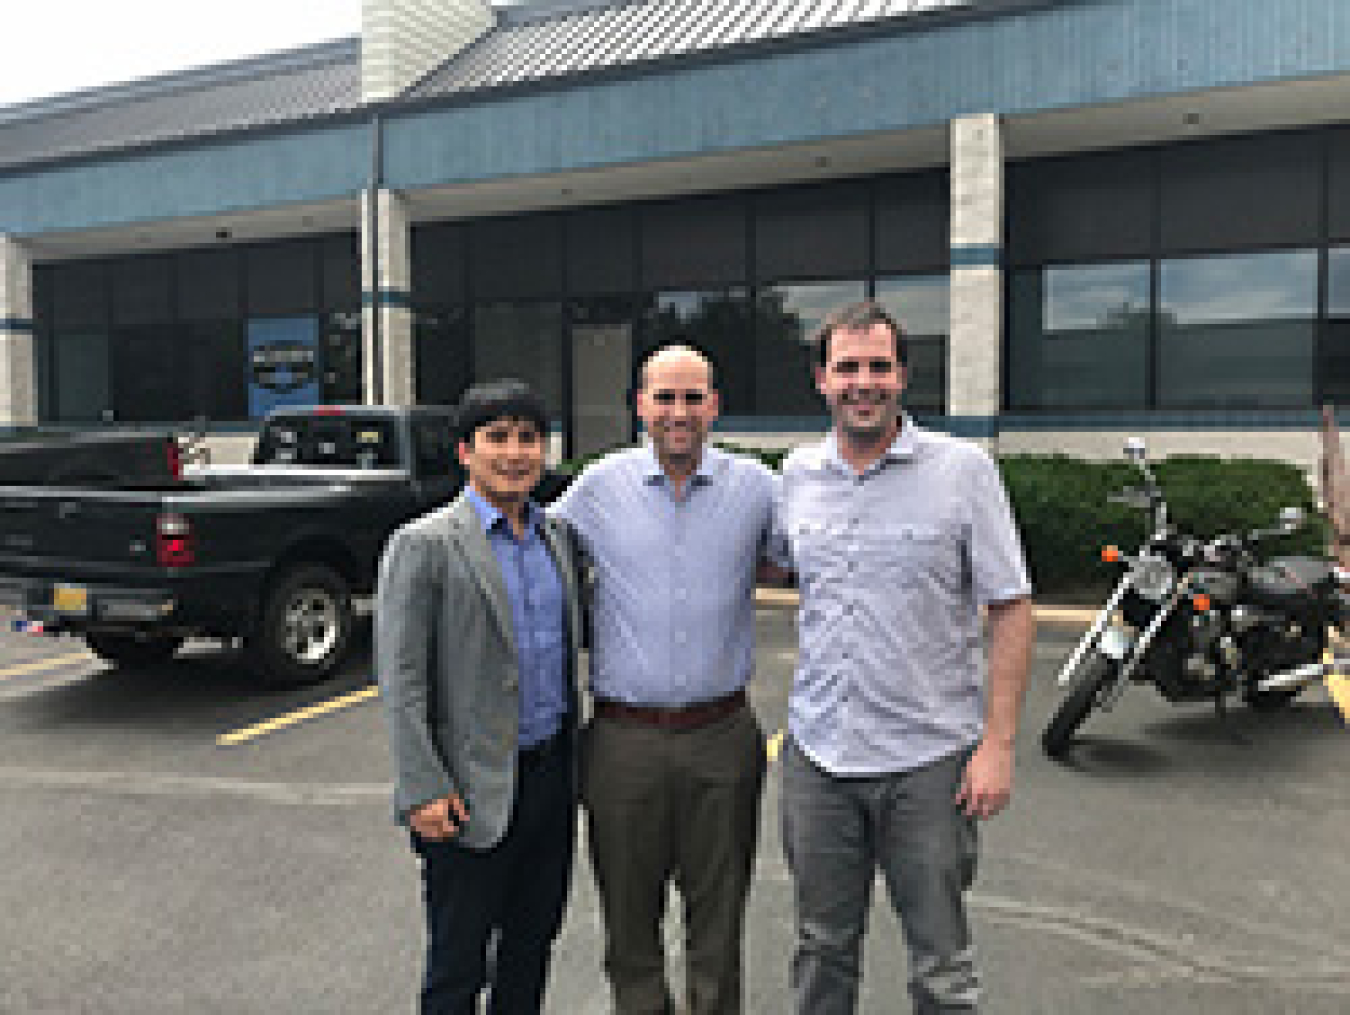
[(673, 762), (901, 735)]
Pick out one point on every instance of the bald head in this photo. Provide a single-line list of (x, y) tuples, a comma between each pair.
[(677, 404), (680, 361)]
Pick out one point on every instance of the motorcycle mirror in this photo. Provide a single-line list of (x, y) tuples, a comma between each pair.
[(1136, 449), (1291, 519)]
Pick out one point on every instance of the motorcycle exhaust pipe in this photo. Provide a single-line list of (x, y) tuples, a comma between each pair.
[(1300, 675)]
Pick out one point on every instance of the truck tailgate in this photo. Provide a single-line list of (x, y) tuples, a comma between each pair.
[(79, 533)]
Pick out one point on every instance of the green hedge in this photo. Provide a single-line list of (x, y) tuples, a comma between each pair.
[(1065, 516)]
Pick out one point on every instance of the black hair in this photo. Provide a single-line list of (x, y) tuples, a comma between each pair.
[(491, 401), (858, 316)]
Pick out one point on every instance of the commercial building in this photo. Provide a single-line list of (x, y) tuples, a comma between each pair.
[(1095, 217)]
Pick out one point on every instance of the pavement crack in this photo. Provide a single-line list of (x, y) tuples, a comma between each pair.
[(149, 784), (1160, 957)]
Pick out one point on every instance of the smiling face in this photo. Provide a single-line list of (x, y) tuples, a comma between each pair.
[(861, 381), (504, 459), (677, 405)]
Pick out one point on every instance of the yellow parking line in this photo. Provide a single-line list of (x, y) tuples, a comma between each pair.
[(282, 722), (774, 745), (47, 663)]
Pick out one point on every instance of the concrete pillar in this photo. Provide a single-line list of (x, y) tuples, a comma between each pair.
[(18, 364), (388, 296), (975, 349)]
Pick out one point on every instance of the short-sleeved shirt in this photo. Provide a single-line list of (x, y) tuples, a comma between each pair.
[(673, 615), (893, 566)]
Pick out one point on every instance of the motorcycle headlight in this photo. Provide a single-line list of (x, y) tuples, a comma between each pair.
[(1153, 577)]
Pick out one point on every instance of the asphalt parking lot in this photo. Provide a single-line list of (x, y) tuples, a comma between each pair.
[(178, 840)]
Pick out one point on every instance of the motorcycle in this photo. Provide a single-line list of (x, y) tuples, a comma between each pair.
[(1202, 620)]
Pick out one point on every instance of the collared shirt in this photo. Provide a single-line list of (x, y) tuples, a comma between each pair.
[(673, 615), (538, 618), (894, 565)]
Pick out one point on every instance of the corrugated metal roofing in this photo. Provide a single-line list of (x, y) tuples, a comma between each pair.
[(544, 43), (297, 85)]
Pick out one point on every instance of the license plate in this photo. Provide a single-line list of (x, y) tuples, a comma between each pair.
[(70, 599)]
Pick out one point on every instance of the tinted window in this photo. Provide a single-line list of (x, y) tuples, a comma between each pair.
[(329, 441), (811, 232), (210, 286), (786, 317), (1092, 206), (694, 243), (1240, 192), (920, 304), (719, 322), (912, 222), (1237, 330), (1335, 358), (444, 366), (438, 264), (282, 278), (516, 257), (524, 341), (601, 251)]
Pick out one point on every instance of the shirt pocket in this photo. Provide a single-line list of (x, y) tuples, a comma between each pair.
[(910, 556)]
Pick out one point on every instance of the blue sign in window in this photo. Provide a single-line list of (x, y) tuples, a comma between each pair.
[(283, 363)]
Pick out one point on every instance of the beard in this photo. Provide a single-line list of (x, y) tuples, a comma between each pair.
[(869, 431)]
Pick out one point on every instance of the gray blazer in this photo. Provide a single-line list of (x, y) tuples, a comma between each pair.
[(445, 656)]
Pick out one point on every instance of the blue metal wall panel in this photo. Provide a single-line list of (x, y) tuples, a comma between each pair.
[(1083, 53), (249, 172)]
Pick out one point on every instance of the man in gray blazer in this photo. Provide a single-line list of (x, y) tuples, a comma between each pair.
[(477, 624)]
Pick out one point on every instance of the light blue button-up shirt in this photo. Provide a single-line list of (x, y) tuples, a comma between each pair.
[(538, 618), (673, 614), (894, 565)]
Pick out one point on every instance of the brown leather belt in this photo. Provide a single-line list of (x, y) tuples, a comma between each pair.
[(684, 717)]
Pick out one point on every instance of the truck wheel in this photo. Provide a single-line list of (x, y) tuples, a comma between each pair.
[(129, 650), (1084, 692), (305, 627)]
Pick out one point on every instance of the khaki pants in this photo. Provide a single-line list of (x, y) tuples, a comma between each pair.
[(678, 806)]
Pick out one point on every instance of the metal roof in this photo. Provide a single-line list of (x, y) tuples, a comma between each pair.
[(292, 86), (554, 39)]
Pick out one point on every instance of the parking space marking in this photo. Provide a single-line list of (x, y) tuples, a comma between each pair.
[(46, 663), (290, 719), (774, 745)]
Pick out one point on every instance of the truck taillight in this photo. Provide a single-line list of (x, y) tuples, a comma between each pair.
[(174, 454), (173, 541)]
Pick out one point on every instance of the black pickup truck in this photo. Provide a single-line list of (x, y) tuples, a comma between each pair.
[(269, 554)]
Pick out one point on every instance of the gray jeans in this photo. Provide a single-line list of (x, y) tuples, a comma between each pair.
[(837, 831)]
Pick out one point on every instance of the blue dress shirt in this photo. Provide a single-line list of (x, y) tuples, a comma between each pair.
[(538, 618), (674, 608)]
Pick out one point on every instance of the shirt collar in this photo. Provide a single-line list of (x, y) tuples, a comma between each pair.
[(652, 473), (903, 448), (491, 517)]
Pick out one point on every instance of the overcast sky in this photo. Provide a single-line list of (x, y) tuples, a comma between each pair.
[(58, 46)]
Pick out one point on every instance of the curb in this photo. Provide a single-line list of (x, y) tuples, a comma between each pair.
[(789, 599)]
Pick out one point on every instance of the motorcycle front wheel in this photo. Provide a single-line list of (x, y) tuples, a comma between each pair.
[(1084, 692)]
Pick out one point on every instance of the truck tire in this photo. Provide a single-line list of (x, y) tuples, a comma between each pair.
[(129, 650), (305, 626), (1092, 677)]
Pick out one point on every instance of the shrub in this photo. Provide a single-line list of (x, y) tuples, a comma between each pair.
[(1065, 514)]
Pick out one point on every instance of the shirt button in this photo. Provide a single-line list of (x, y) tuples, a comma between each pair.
[(848, 610)]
